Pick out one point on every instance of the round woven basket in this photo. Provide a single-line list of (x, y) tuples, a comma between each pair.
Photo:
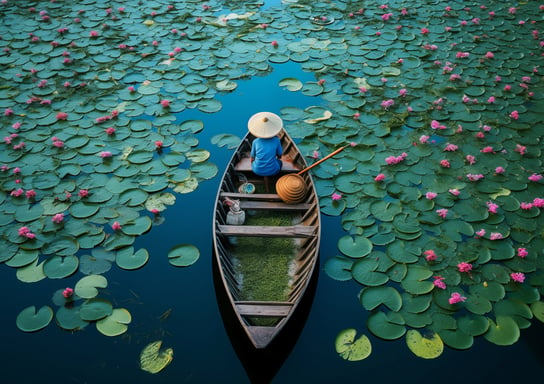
[(291, 188)]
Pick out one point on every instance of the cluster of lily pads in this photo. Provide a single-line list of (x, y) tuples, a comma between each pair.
[(441, 102)]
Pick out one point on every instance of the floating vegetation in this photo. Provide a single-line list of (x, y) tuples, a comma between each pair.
[(424, 346), (352, 349), (440, 198), (153, 359)]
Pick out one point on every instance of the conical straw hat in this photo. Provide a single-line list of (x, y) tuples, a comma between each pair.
[(291, 188), (265, 124)]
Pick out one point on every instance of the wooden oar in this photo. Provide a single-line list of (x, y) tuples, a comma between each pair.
[(323, 159)]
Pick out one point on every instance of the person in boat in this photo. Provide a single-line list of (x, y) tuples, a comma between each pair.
[(266, 150)]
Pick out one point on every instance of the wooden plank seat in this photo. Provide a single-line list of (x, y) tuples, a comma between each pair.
[(263, 309), (244, 165), (267, 231), (272, 205), (251, 196)]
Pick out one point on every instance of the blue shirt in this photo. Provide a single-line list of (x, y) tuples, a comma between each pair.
[(265, 153)]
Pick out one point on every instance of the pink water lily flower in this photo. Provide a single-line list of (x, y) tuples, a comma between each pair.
[(451, 147), (68, 292), (538, 202), (525, 206), (396, 159), (522, 252), (25, 232), (492, 207), (380, 177), (83, 193), (430, 255), (473, 177), (535, 177), (456, 298), (430, 195), (116, 226), (495, 236), (30, 194), (464, 267), (442, 212), (58, 218), (336, 196), (105, 154), (62, 116), (518, 277), (439, 282)]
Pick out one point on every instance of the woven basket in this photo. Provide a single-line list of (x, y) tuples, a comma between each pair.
[(291, 188)]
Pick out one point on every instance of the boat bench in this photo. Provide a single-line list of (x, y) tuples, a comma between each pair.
[(262, 201), (268, 231), (263, 309), (244, 165)]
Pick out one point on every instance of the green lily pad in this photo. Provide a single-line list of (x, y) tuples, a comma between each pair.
[(226, 140), (290, 83), (416, 282), (158, 202), (373, 297), (364, 272), (138, 226), (60, 267), (115, 324), (31, 273), (86, 287), (504, 331), (388, 326), (126, 258), (68, 318), (338, 268), (30, 320), (538, 310), (352, 349), (95, 309), (429, 346), (183, 255), (354, 246)]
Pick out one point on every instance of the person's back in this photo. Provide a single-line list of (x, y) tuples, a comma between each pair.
[(265, 156)]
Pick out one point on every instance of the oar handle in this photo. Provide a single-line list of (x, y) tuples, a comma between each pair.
[(323, 159)]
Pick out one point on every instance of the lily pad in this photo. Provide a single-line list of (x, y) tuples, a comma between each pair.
[(126, 258), (373, 297), (354, 246), (352, 349), (183, 255), (429, 346), (86, 287), (388, 326), (95, 309), (30, 320), (153, 359), (115, 324), (504, 331)]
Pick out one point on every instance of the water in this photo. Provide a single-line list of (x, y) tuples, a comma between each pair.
[(203, 352)]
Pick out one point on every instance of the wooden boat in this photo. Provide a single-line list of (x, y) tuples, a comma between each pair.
[(262, 318)]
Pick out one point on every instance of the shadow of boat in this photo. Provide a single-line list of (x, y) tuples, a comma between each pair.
[(262, 365)]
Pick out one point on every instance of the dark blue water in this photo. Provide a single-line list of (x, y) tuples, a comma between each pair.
[(195, 328)]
